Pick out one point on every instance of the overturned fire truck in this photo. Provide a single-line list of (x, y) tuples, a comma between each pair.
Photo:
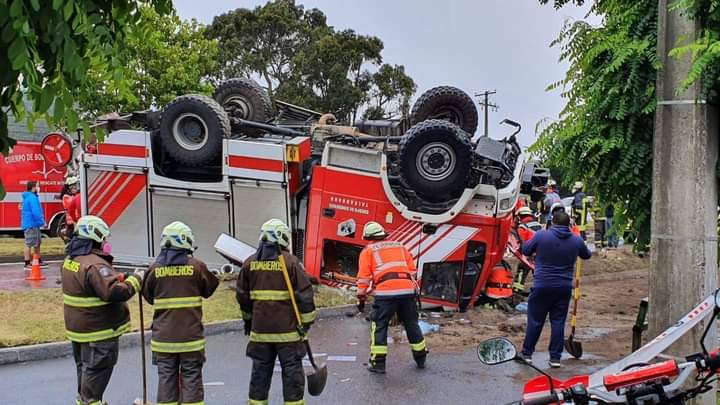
[(228, 163)]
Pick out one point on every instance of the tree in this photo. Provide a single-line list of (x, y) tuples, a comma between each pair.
[(298, 56), (264, 41), (391, 90), (605, 130), (46, 51), (161, 60)]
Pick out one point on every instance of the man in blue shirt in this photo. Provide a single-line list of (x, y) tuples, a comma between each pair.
[(32, 220), (556, 251)]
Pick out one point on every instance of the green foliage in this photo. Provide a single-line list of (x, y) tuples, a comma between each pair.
[(604, 135), (46, 52), (302, 60), (162, 59), (705, 49), (391, 86)]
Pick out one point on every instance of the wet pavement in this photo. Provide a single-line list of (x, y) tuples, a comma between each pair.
[(450, 378), (12, 276)]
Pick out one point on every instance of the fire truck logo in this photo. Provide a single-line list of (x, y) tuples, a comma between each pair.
[(349, 205), (347, 228)]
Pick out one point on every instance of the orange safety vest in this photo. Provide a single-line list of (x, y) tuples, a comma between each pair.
[(389, 267)]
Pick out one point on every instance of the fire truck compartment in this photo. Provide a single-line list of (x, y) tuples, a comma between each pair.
[(208, 214), (441, 281), (340, 261), (254, 202), (119, 196)]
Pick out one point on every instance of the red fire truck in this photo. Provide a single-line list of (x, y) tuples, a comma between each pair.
[(226, 165), (26, 163)]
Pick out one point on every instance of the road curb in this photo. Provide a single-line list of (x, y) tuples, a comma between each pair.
[(47, 351)]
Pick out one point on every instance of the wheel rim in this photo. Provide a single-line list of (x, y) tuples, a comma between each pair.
[(436, 161), (450, 114), (190, 131), (238, 106)]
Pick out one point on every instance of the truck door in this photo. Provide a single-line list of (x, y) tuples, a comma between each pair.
[(119, 195), (254, 202), (207, 213)]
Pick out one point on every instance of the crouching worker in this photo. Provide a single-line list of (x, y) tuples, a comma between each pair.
[(175, 285), (270, 320), (390, 269), (96, 312)]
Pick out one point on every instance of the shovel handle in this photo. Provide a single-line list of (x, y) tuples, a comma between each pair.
[(142, 341)]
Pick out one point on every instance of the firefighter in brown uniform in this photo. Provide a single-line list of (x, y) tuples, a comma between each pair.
[(96, 313), (268, 314), (176, 284)]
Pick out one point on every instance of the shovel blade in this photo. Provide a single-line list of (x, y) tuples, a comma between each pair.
[(316, 380), (573, 347)]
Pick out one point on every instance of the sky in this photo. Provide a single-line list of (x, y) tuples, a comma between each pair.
[(475, 45)]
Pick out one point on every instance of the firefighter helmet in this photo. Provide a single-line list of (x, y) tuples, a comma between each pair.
[(71, 180), (177, 235), (578, 186), (93, 228), (524, 211), (499, 284), (557, 206), (275, 231), (373, 230), (551, 183)]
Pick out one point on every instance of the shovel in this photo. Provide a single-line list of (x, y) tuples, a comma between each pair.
[(571, 345), (318, 377), (142, 351)]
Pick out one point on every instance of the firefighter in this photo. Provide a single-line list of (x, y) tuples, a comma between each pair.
[(71, 204), (559, 207), (527, 225), (96, 312), (269, 317), (175, 285), (579, 207), (390, 269)]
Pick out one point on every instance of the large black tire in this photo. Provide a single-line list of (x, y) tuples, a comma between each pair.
[(436, 159), (446, 103), (192, 128), (245, 99)]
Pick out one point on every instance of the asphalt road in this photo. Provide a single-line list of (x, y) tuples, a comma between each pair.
[(448, 379)]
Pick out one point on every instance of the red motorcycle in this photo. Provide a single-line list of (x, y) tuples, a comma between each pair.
[(645, 377)]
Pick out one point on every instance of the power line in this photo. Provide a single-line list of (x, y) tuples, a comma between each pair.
[(486, 105)]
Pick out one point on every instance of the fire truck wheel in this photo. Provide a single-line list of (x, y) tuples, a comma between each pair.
[(245, 99), (435, 159), (192, 128), (446, 103)]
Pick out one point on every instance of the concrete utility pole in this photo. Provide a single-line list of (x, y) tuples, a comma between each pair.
[(683, 251), (486, 105)]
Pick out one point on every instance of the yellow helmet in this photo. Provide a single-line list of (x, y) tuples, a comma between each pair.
[(70, 180), (178, 235), (373, 230), (578, 185), (275, 231), (93, 228)]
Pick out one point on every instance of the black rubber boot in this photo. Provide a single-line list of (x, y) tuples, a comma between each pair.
[(376, 366), (420, 359)]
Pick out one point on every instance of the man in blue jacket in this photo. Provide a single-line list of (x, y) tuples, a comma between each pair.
[(556, 251), (32, 220)]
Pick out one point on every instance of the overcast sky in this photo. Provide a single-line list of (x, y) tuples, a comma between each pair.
[(476, 45)]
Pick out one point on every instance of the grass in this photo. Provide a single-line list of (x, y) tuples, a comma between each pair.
[(36, 316), (14, 246)]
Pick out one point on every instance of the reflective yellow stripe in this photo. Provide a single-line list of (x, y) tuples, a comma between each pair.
[(300, 402), (275, 337), (257, 402), (269, 295), (194, 403), (83, 302), (85, 337), (246, 316), (133, 281), (179, 302), (182, 347), (418, 347), (167, 403), (308, 317), (95, 403), (375, 349)]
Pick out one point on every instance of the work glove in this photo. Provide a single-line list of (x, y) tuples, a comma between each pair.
[(247, 327), (361, 305), (306, 327)]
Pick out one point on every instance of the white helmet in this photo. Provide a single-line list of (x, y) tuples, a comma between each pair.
[(178, 235), (275, 231), (93, 228)]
